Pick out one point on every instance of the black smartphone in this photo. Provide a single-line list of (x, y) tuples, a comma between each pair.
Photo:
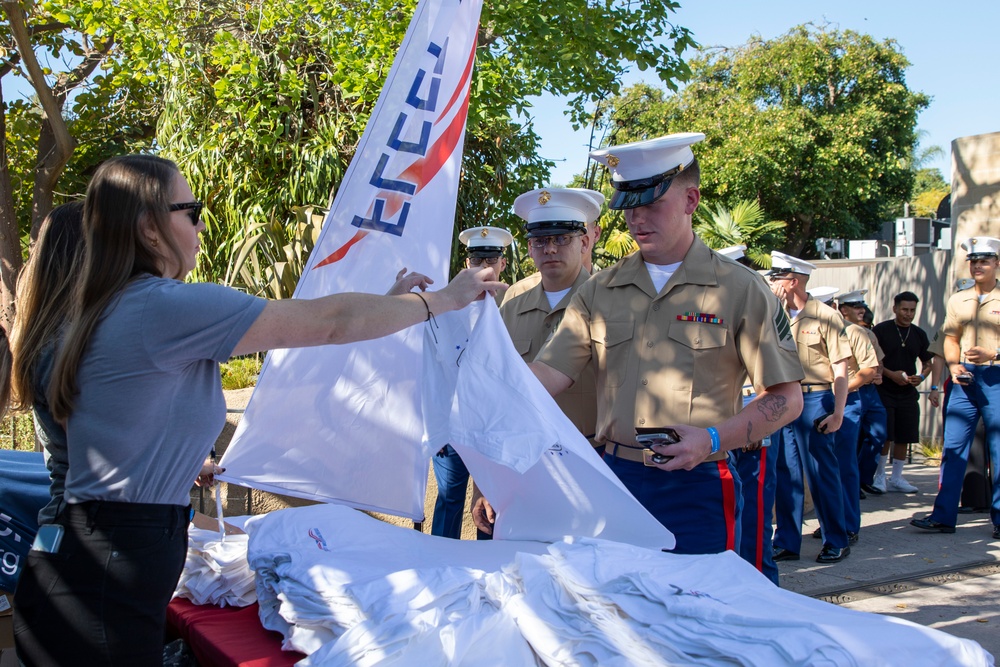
[(649, 436), (964, 378), (818, 421), (48, 538)]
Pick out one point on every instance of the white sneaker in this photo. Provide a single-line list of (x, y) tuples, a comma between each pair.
[(901, 485), (879, 481)]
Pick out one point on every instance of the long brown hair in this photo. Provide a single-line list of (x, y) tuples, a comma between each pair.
[(43, 296), (127, 204)]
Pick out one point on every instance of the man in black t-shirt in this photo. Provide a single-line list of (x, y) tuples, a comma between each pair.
[(903, 343)]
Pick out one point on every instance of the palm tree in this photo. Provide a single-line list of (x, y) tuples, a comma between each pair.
[(745, 225)]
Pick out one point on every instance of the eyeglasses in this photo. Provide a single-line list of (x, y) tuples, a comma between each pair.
[(193, 209), (779, 276), (542, 242), (488, 261)]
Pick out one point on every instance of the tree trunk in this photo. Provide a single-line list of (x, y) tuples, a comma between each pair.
[(10, 238)]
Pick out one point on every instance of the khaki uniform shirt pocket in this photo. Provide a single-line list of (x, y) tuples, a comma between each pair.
[(523, 347), (697, 353), (611, 347)]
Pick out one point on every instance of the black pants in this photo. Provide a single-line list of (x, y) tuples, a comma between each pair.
[(102, 599)]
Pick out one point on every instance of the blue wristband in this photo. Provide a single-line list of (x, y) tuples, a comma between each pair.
[(716, 445)]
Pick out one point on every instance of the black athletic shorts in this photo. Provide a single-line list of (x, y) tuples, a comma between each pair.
[(902, 417)]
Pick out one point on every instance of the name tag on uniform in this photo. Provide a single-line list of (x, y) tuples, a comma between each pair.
[(707, 318)]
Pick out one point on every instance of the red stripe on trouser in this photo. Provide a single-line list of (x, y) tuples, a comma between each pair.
[(728, 503), (758, 561)]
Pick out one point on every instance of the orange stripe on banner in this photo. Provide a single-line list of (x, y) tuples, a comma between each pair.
[(424, 170), (728, 503), (758, 561), (462, 82), (341, 252)]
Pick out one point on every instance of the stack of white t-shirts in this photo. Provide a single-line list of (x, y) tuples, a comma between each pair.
[(595, 602), (353, 590), (541, 476), (216, 570)]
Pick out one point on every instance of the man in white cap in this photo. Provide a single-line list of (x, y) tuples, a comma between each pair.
[(862, 369), (972, 352), (871, 430), (672, 331), (556, 227), (485, 247), (809, 443)]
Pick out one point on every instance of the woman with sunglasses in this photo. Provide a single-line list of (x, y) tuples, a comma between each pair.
[(136, 382)]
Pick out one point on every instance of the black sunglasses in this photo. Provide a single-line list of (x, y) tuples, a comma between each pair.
[(193, 209)]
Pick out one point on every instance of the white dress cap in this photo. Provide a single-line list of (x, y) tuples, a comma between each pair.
[(782, 263), (552, 211), (979, 247), (853, 297), (733, 252), (641, 172), (485, 241), (824, 294)]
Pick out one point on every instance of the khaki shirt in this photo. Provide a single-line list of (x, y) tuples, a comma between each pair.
[(821, 339), (522, 286), (862, 352), (679, 356), (531, 322), (974, 323), (936, 346), (873, 339)]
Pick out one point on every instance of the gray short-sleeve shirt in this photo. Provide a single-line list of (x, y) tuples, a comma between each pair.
[(150, 401)]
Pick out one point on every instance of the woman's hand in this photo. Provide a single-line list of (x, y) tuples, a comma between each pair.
[(465, 287), (405, 282)]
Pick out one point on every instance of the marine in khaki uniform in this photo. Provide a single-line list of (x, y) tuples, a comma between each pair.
[(556, 223), (972, 353), (872, 425), (809, 444), (672, 331), (485, 247)]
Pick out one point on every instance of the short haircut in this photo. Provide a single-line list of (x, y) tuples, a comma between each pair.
[(904, 296), (690, 176)]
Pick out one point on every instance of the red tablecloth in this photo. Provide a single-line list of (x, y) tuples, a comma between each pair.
[(227, 636)]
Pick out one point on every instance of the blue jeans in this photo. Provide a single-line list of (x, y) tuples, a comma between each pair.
[(452, 481), (803, 449), (872, 435), (965, 405), (701, 506)]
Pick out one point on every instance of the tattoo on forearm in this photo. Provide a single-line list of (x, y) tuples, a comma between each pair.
[(773, 407)]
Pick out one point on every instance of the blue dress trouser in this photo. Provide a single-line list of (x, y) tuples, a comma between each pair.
[(758, 478), (701, 506), (965, 405), (872, 434), (846, 443), (452, 482), (802, 448)]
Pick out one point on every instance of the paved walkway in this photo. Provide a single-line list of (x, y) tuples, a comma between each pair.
[(947, 582)]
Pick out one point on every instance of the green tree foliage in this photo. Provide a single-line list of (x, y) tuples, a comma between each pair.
[(745, 224), (815, 125), (262, 103), (929, 189)]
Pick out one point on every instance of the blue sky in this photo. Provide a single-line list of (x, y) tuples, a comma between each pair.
[(951, 46)]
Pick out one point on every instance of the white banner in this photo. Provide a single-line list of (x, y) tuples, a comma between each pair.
[(342, 424)]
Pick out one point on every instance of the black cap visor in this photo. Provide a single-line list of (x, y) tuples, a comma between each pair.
[(486, 251), (980, 255), (554, 227)]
